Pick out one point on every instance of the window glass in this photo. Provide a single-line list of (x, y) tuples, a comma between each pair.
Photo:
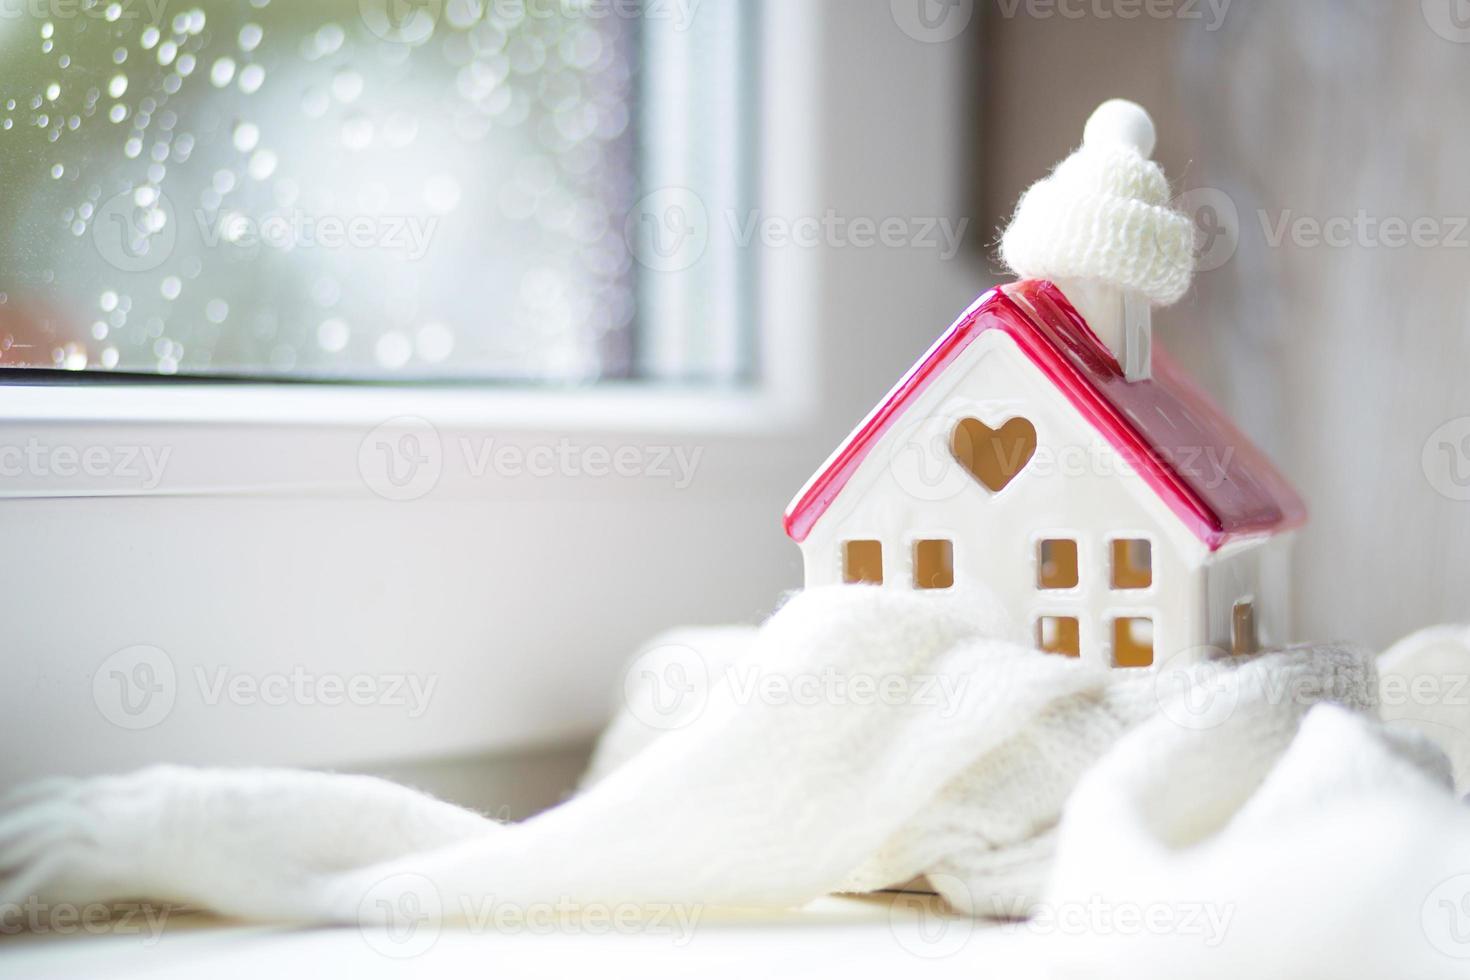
[(356, 189)]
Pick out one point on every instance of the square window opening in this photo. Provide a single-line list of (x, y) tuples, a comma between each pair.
[(1133, 563), (1061, 635), (862, 562), (1056, 564), (1243, 637), (933, 564), (1133, 642)]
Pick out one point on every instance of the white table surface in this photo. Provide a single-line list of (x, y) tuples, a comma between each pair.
[(876, 935)]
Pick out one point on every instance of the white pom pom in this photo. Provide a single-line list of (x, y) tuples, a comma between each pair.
[(1120, 122)]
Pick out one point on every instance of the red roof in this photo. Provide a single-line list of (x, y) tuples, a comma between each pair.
[(1171, 433)]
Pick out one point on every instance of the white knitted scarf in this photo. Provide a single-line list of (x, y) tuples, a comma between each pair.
[(862, 738)]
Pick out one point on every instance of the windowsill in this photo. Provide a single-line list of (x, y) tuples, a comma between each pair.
[(610, 408)]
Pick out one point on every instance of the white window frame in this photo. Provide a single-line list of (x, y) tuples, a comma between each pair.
[(264, 551)]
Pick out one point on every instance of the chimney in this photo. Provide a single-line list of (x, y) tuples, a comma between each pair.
[(1121, 318)]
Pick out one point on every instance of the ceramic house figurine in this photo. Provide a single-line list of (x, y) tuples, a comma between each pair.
[(1046, 449)]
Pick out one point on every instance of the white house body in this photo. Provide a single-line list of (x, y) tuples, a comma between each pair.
[(1122, 523)]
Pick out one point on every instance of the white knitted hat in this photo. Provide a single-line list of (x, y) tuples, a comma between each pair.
[(1104, 214)]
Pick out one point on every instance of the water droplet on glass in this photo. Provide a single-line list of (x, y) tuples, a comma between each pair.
[(393, 350), (108, 301), (357, 132), (150, 38), (246, 137), (224, 181), (217, 311), (222, 72), (329, 39), (463, 14), (53, 92), (250, 36), (171, 287), (132, 148), (99, 330), (233, 226), (186, 64), (56, 171), (251, 78), (117, 86), (332, 335), (262, 164), (435, 342), (166, 52), (109, 357), (48, 29)]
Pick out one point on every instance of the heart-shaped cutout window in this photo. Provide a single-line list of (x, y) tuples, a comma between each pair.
[(993, 456)]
